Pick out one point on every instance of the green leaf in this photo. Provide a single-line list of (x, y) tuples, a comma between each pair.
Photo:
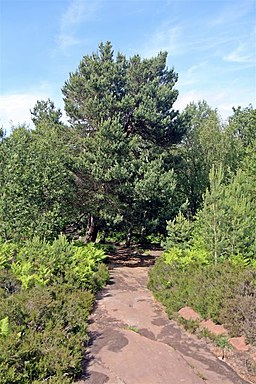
[(4, 326)]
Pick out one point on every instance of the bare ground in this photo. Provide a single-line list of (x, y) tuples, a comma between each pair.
[(132, 341)]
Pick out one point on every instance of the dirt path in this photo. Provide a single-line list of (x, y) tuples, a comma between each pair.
[(134, 342)]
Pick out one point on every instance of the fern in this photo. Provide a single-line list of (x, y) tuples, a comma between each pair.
[(7, 251), (4, 326)]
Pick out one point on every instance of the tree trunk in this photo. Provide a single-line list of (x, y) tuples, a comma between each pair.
[(91, 230), (128, 237)]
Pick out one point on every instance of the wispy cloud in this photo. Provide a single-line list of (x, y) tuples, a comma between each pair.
[(74, 14), (187, 97), (166, 38), (77, 12), (192, 75), (243, 53), (178, 39), (67, 40), (231, 13)]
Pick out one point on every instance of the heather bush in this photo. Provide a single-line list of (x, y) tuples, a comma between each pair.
[(46, 295), (225, 292)]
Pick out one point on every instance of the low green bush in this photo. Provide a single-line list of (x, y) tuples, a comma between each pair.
[(47, 333), (239, 312), (46, 295), (9, 283), (225, 292), (38, 263)]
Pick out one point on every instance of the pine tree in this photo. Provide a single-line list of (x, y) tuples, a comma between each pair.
[(210, 219), (121, 112)]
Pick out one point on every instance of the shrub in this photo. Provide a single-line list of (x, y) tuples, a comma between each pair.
[(48, 333), (179, 232), (40, 263), (239, 312), (9, 283), (46, 295), (224, 292)]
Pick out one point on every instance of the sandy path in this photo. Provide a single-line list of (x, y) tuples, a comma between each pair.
[(134, 342)]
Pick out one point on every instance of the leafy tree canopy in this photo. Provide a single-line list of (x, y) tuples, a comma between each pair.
[(36, 189)]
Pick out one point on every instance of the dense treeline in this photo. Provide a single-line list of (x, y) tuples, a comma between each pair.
[(209, 261), (126, 163), (111, 168)]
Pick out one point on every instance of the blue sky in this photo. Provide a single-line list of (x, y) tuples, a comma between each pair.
[(210, 43)]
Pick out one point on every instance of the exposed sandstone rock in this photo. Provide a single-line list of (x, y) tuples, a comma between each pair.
[(239, 344), (188, 313), (213, 328)]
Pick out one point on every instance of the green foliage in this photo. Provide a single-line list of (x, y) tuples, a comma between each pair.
[(224, 227), (36, 189), (8, 282), (239, 311), (139, 92), (84, 263), (122, 114), (189, 325), (209, 142), (184, 257), (222, 342), (132, 328), (45, 112), (201, 147), (212, 216), (227, 220), (40, 263), (4, 326), (239, 135), (106, 247), (7, 252), (50, 338), (43, 330), (224, 292), (179, 232)]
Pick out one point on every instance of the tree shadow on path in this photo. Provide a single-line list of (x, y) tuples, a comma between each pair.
[(133, 257)]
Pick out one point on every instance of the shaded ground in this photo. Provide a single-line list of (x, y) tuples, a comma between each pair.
[(132, 341)]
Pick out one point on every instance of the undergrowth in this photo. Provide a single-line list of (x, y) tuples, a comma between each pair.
[(46, 295), (225, 292)]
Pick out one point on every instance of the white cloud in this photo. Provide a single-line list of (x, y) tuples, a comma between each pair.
[(232, 12), (77, 12), (65, 41), (224, 100), (242, 54), (74, 14), (185, 98), (15, 107), (165, 38), (192, 75), (178, 39)]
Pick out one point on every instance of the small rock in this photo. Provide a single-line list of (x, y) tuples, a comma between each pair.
[(213, 328), (239, 344), (189, 314)]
